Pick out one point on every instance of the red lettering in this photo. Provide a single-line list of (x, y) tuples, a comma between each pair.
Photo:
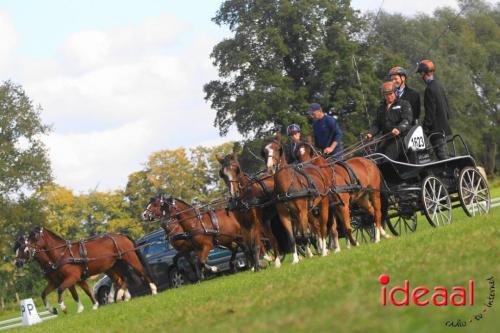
[(460, 293), (405, 291), (443, 294), (417, 294), (471, 292), (384, 280)]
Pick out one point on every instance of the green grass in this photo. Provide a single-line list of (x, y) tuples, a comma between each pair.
[(335, 293)]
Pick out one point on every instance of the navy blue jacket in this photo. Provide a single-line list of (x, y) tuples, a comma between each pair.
[(326, 130)]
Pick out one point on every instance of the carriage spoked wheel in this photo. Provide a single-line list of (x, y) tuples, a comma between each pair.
[(402, 224), (436, 202), (474, 193), (363, 230)]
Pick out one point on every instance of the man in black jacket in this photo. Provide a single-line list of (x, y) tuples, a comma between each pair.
[(394, 116), (398, 76), (437, 109)]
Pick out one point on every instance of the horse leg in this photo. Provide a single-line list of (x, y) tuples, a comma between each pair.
[(274, 243), (118, 281), (68, 282), (203, 255), (74, 294), (286, 221), (48, 289), (302, 207), (86, 289), (248, 249), (345, 217), (376, 203), (323, 226)]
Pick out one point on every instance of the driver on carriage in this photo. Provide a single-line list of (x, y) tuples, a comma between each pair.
[(393, 116)]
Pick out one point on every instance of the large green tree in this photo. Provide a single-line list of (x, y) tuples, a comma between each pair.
[(284, 54), (24, 168)]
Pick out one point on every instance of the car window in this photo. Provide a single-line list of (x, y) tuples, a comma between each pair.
[(154, 249)]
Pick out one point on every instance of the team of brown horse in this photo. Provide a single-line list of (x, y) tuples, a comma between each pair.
[(268, 213), (305, 198)]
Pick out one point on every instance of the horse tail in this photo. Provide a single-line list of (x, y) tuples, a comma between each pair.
[(280, 233), (144, 263)]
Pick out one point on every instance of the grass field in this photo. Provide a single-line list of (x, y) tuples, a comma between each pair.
[(339, 293)]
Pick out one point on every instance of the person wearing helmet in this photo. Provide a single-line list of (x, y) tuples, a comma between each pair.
[(326, 131), (394, 116), (293, 132), (437, 109), (398, 76)]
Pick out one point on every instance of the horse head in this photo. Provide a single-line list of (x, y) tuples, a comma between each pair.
[(22, 251), (305, 151), (272, 152), (230, 171), (160, 207), (36, 239)]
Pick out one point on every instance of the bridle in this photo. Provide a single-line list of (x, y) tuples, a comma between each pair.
[(229, 163), (270, 153)]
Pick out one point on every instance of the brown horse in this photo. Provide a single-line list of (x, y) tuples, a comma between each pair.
[(74, 261), (366, 195), (302, 196), (179, 239), (252, 200), (21, 248), (203, 228)]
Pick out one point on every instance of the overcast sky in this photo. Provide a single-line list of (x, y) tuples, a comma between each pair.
[(119, 79)]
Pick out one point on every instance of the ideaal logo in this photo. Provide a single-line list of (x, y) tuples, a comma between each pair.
[(423, 296), (438, 296)]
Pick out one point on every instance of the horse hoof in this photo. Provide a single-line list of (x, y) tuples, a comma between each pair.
[(337, 250), (277, 263), (95, 306), (266, 257), (54, 311), (357, 243)]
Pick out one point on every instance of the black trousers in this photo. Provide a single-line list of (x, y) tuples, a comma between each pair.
[(438, 142), (390, 147)]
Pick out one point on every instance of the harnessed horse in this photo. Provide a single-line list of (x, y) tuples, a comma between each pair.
[(252, 200), (75, 261), (301, 192), (23, 255), (203, 228), (355, 181)]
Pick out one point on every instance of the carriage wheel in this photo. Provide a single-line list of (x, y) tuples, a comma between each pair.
[(474, 193), (436, 202), (402, 224), (362, 229)]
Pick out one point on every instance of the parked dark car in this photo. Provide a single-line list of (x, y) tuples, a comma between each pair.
[(166, 269)]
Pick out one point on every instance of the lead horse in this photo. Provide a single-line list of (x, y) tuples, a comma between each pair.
[(75, 261), (23, 255)]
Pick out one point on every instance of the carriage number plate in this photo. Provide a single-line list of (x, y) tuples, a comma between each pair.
[(417, 141)]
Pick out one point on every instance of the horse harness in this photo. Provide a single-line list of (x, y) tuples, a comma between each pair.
[(353, 183), (83, 258)]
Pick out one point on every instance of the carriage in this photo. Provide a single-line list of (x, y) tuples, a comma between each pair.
[(418, 183)]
